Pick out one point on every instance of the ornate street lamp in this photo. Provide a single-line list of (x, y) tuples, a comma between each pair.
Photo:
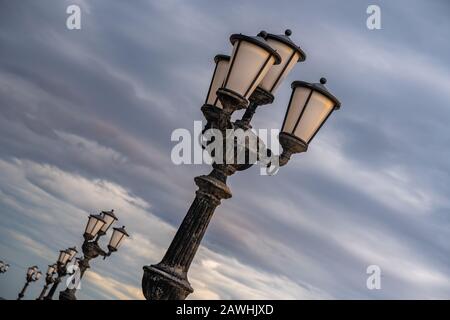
[(309, 107), (49, 279), (250, 61), (95, 223), (109, 217), (96, 227), (290, 54), (3, 267), (72, 253), (212, 105), (256, 68), (117, 237), (33, 274), (220, 71), (65, 256)]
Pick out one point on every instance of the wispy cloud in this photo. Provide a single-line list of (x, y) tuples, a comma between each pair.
[(85, 125)]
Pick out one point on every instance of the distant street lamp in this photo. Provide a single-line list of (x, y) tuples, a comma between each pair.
[(96, 227), (49, 279), (64, 258), (3, 267), (33, 274), (245, 80)]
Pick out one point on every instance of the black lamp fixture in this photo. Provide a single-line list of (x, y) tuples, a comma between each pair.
[(309, 107), (96, 227), (290, 54), (250, 61), (93, 226), (72, 252), (220, 71), (33, 274), (49, 279), (249, 78), (117, 238), (109, 218)]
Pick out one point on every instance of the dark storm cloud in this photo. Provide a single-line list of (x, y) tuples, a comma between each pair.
[(94, 110)]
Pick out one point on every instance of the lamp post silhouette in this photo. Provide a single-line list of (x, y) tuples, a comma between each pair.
[(64, 258), (96, 227), (49, 279), (246, 80), (33, 274)]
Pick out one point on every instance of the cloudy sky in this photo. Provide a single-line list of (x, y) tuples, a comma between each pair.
[(86, 118)]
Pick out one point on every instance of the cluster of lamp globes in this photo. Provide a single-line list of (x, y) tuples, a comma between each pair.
[(260, 64), (96, 227)]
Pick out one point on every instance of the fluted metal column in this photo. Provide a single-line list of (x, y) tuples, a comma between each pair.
[(42, 294), (22, 293), (167, 280), (52, 291)]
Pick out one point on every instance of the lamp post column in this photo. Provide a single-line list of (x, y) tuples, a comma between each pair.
[(167, 280), (22, 293), (52, 291), (42, 294), (61, 272)]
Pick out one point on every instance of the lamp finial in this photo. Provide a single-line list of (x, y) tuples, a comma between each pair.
[(262, 34)]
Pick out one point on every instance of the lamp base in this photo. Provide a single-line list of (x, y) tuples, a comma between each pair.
[(291, 144), (261, 97), (215, 117), (231, 101), (68, 294), (167, 280), (211, 112), (164, 283)]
